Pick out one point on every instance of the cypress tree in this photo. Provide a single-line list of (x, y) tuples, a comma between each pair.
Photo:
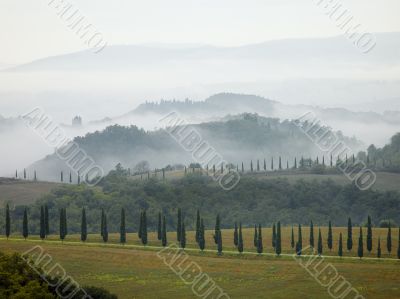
[(330, 236), (255, 236), (46, 220), (222, 167), (242, 167), (65, 222), (272, 163), (34, 176), (323, 161), (280, 163), (164, 233), (287, 164), (24, 174), (278, 244), (217, 228), (340, 251), (369, 235), (159, 227), (16, 174), (273, 236), (251, 165), (349, 235), (398, 246), (240, 240), (62, 177), (25, 230), (62, 225), (312, 243), (8, 221), (144, 228), (360, 250), (319, 242), (202, 241), (105, 229), (70, 177), (183, 235), (299, 247), (214, 169), (295, 163), (179, 225), (265, 165), (102, 222), (219, 242), (235, 235), (42, 225), (122, 230), (198, 227), (259, 240), (258, 165), (389, 239), (140, 226), (379, 248), (292, 239), (83, 226), (331, 161)]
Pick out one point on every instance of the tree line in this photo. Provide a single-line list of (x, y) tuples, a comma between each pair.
[(276, 240)]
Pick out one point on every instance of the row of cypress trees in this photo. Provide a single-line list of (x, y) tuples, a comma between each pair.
[(217, 236)]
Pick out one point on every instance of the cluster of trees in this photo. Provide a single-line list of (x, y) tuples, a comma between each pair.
[(217, 236), (252, 201), (20, 280)]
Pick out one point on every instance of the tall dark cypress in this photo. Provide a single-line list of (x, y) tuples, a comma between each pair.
[(299, 247), (242, 167), (360, 251), (398, 246), (369, 234), (259, 241), (102, 222), (144, 228), (251, 165), (159, 227), (202, 241), (25, 230), (389, 239), (217, 228), (240, 240), (198, 226), (65, 222), (330, 236), (105, 229), (295, 163), (42, 224), (319, 243), (62, 177), (379, 252), (278, 245), (312, 243), (265, 165), (349, 235), (280, 163), (140, 226), (340, 250), (8, 222), (292, 239), (62, 225), (122, 229), (83, 226), (258, 165), (46, 220), (272, 163), (219, 245), (273, 236), (179, 225), (236, 235), (70, 177), (183, 235), (164, 233), (255, 236)]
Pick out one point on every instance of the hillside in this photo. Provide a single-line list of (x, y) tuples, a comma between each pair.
[(236, 139)]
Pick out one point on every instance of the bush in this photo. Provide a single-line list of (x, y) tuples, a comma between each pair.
[(385, 223)]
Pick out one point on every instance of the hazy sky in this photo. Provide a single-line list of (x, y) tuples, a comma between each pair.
[(31, 29)]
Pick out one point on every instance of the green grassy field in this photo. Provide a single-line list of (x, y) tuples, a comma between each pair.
[(140, 273)]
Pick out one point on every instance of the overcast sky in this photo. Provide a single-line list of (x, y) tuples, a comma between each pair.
[(31, 29)]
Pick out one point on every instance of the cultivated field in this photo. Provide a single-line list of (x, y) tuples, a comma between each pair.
[(140, 273)]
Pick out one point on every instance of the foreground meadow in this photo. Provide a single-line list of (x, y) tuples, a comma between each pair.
[(133, 271)]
